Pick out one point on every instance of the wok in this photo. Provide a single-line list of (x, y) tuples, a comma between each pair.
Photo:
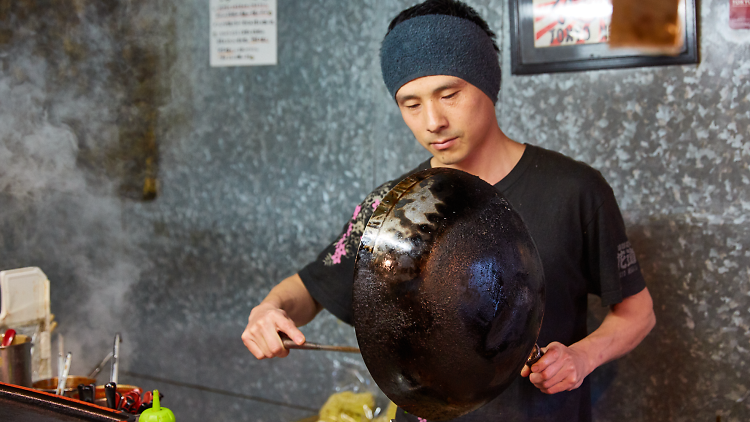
[(448, 294)]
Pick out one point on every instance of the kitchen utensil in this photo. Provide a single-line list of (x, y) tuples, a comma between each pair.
[(49, 385), (157, 413), (113, 397), (15, 361), (8, 337), (131, 401), (125, 404), (122, 389), (115, 359), (60, 355), (448, 294), (86, 393), (534, 356), (64, 377), (290, 344), (99, 367)]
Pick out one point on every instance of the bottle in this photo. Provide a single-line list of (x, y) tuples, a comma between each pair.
[(157, 413)]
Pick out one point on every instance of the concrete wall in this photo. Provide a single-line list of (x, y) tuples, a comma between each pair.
[(259, 167)]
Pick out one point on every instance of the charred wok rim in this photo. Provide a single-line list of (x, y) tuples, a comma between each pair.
[(372, 229)]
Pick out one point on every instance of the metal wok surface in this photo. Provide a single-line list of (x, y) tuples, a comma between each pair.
[(448, 294)]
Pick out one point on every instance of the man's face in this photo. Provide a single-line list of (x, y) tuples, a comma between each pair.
[(450, 117)]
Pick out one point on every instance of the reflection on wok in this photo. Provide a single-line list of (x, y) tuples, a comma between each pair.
[(448, 294)]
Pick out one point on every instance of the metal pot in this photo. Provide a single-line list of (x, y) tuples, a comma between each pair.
[(71, 388), (15, 361), (49, 385), (448, 294)]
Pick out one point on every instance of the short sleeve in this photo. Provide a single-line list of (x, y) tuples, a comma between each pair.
[(615, 272), (330, 277)]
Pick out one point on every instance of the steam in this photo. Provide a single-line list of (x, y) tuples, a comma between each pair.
[(34, 154), (71, 230)]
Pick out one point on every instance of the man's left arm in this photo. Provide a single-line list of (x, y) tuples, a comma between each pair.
[(625, 326)]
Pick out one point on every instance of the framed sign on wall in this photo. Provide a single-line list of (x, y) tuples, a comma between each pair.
[(550, 36)]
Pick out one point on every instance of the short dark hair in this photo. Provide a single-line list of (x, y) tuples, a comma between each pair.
[(444, 7)]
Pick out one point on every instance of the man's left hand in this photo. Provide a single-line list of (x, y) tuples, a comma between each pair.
[(564, 368), (560, 369)]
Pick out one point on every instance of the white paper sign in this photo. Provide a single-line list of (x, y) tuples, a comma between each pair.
[(243, 33)]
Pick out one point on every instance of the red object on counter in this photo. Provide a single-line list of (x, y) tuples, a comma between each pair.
[(8, 337), (130, 401), (739, 14)]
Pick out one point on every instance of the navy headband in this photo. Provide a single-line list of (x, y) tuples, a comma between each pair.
[(440, 45)]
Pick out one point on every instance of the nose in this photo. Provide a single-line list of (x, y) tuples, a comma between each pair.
[(436, 120)]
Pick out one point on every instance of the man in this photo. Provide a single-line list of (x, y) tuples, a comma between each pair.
[(440, 64)]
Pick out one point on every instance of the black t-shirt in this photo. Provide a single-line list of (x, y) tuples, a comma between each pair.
[(573, 217)]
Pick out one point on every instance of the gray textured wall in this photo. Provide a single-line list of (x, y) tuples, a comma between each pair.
[(259, 167)]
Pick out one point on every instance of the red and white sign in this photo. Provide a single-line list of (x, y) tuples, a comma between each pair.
[(739, 14), (570, 22)]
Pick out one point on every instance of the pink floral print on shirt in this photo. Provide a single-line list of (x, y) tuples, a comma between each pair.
[(348, 242), (340, 246)]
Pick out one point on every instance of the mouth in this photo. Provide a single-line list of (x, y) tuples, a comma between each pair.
[(444, 144)]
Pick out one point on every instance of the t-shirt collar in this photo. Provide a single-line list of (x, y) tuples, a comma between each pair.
[(523, 164)]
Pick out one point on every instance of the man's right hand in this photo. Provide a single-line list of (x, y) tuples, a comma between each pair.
[(261, 335), (287, 306)]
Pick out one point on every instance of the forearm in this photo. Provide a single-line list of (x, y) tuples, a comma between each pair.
[(292, 296), (624, 327), (564, 368)]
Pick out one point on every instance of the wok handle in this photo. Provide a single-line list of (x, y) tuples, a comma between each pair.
[(110, 392), (536, 354), (290, 344)]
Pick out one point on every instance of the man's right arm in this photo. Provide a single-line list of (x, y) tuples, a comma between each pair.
[(287, 306), (290, 305)]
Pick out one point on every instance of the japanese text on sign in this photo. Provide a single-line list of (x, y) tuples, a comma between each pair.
[(569, 22), (243, 32), (739, 14)]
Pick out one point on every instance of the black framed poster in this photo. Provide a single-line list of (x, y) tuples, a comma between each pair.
[(572, 35)]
